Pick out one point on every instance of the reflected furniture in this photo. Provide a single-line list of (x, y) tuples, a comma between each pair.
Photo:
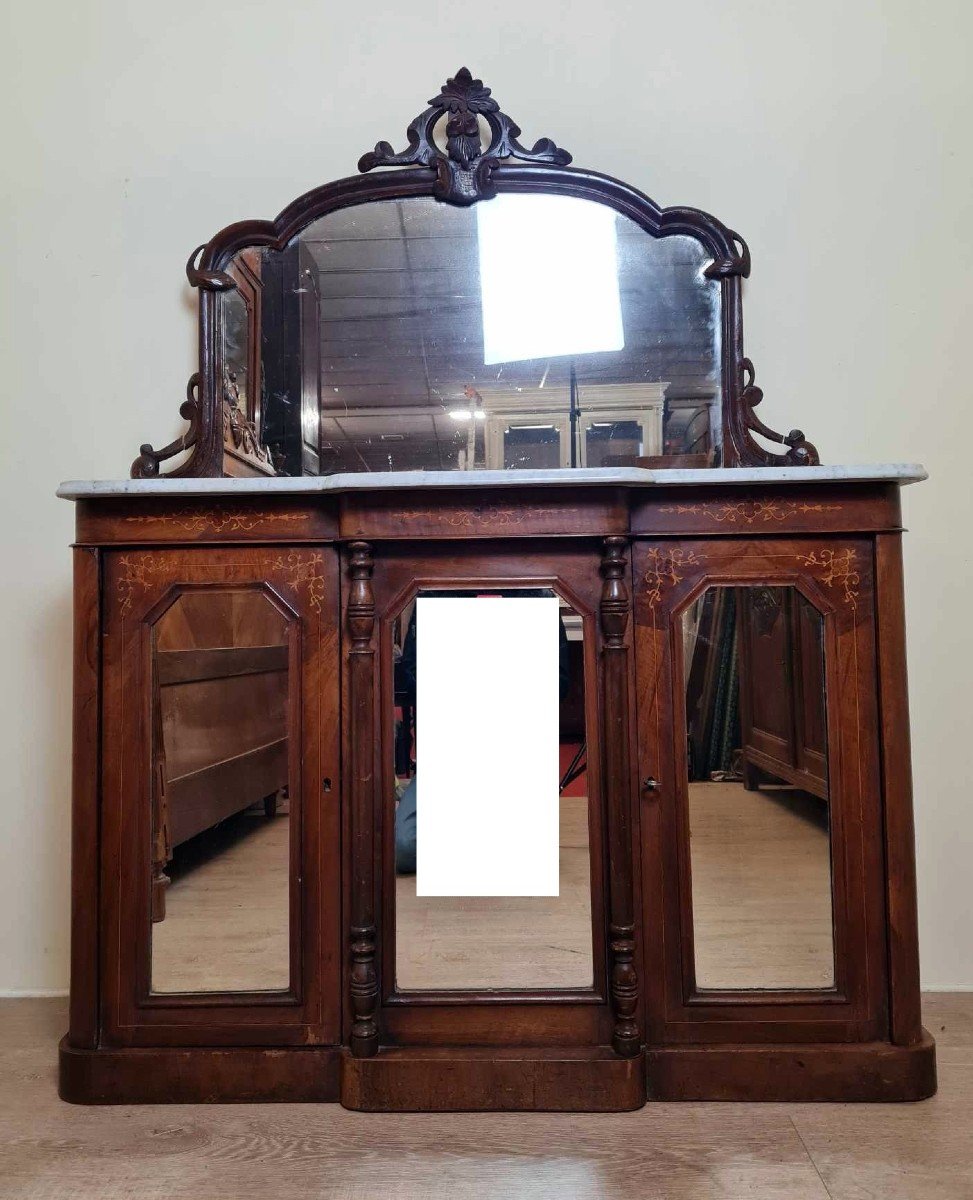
[(368, 432), (782, 690), (220, 700)]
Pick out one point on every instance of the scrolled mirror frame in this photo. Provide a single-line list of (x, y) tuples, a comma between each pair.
[(464, 171)]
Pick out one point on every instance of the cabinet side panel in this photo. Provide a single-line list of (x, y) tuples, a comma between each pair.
[(903, 925), (83, 1032)]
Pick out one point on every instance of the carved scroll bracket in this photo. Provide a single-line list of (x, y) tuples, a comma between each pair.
[(360, 617), (800, 452), (207, 281), (463, 167), (731, 264), (146, 466), (616, 609)]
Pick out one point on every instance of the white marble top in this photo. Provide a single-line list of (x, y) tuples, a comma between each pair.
[(378, 481)]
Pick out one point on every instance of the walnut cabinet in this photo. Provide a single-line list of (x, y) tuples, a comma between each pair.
[(270, 617)]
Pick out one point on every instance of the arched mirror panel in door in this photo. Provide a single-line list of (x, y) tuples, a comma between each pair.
[(223, 741), (492, 822), (757, 790)]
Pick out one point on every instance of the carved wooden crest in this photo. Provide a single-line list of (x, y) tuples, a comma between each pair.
[(463, 166)]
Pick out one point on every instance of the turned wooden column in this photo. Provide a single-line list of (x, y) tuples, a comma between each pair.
[(361, 627), (616, 608)]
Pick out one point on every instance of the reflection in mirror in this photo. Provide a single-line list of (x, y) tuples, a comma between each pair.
[(490, 716), (220, 794), (236, 348), (527, 331), (757, 750)]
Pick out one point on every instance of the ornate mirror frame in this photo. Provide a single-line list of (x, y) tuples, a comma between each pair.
[(222, 439)]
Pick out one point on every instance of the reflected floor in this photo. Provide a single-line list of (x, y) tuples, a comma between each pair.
[(763, 917), (226, 921), (502, 941), (761, 887)]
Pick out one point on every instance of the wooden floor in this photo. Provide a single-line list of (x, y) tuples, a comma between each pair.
[(761, 874), (55, 1151), (503, 941), (761, 900), (226, 925)]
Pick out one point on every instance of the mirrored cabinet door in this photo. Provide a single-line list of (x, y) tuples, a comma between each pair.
[(225, 804), (761, 745)]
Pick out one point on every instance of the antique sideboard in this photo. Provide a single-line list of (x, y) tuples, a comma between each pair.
[(720, 724)]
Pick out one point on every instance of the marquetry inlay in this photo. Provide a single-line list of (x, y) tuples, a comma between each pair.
[(138, 570), (664, 571), (304, 571), (479, 514), (219, 519), (835, 568), (749, 512)]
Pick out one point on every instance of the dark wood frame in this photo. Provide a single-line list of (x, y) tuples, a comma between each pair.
[(531, 1016), (141, 586), (672, 576), (461, 172), (250, 286)]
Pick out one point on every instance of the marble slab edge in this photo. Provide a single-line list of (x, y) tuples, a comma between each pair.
[(90, 489)]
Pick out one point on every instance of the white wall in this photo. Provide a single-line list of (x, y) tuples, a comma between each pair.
[(833, 135)]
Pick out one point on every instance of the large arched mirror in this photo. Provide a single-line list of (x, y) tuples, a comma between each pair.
[(525, 332), (487, 307)]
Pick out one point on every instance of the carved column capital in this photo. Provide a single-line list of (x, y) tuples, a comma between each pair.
[(361, 599), (616, 603)]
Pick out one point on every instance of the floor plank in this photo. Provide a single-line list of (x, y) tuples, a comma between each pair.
[(761, 907), (53, 1151)]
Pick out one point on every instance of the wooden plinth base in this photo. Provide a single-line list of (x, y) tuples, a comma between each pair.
[(176, 1075), (863, 1071), (444, 1079), (451, 1079)]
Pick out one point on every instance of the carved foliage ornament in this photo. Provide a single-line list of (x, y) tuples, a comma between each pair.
[(463, 168), (240, 436)]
